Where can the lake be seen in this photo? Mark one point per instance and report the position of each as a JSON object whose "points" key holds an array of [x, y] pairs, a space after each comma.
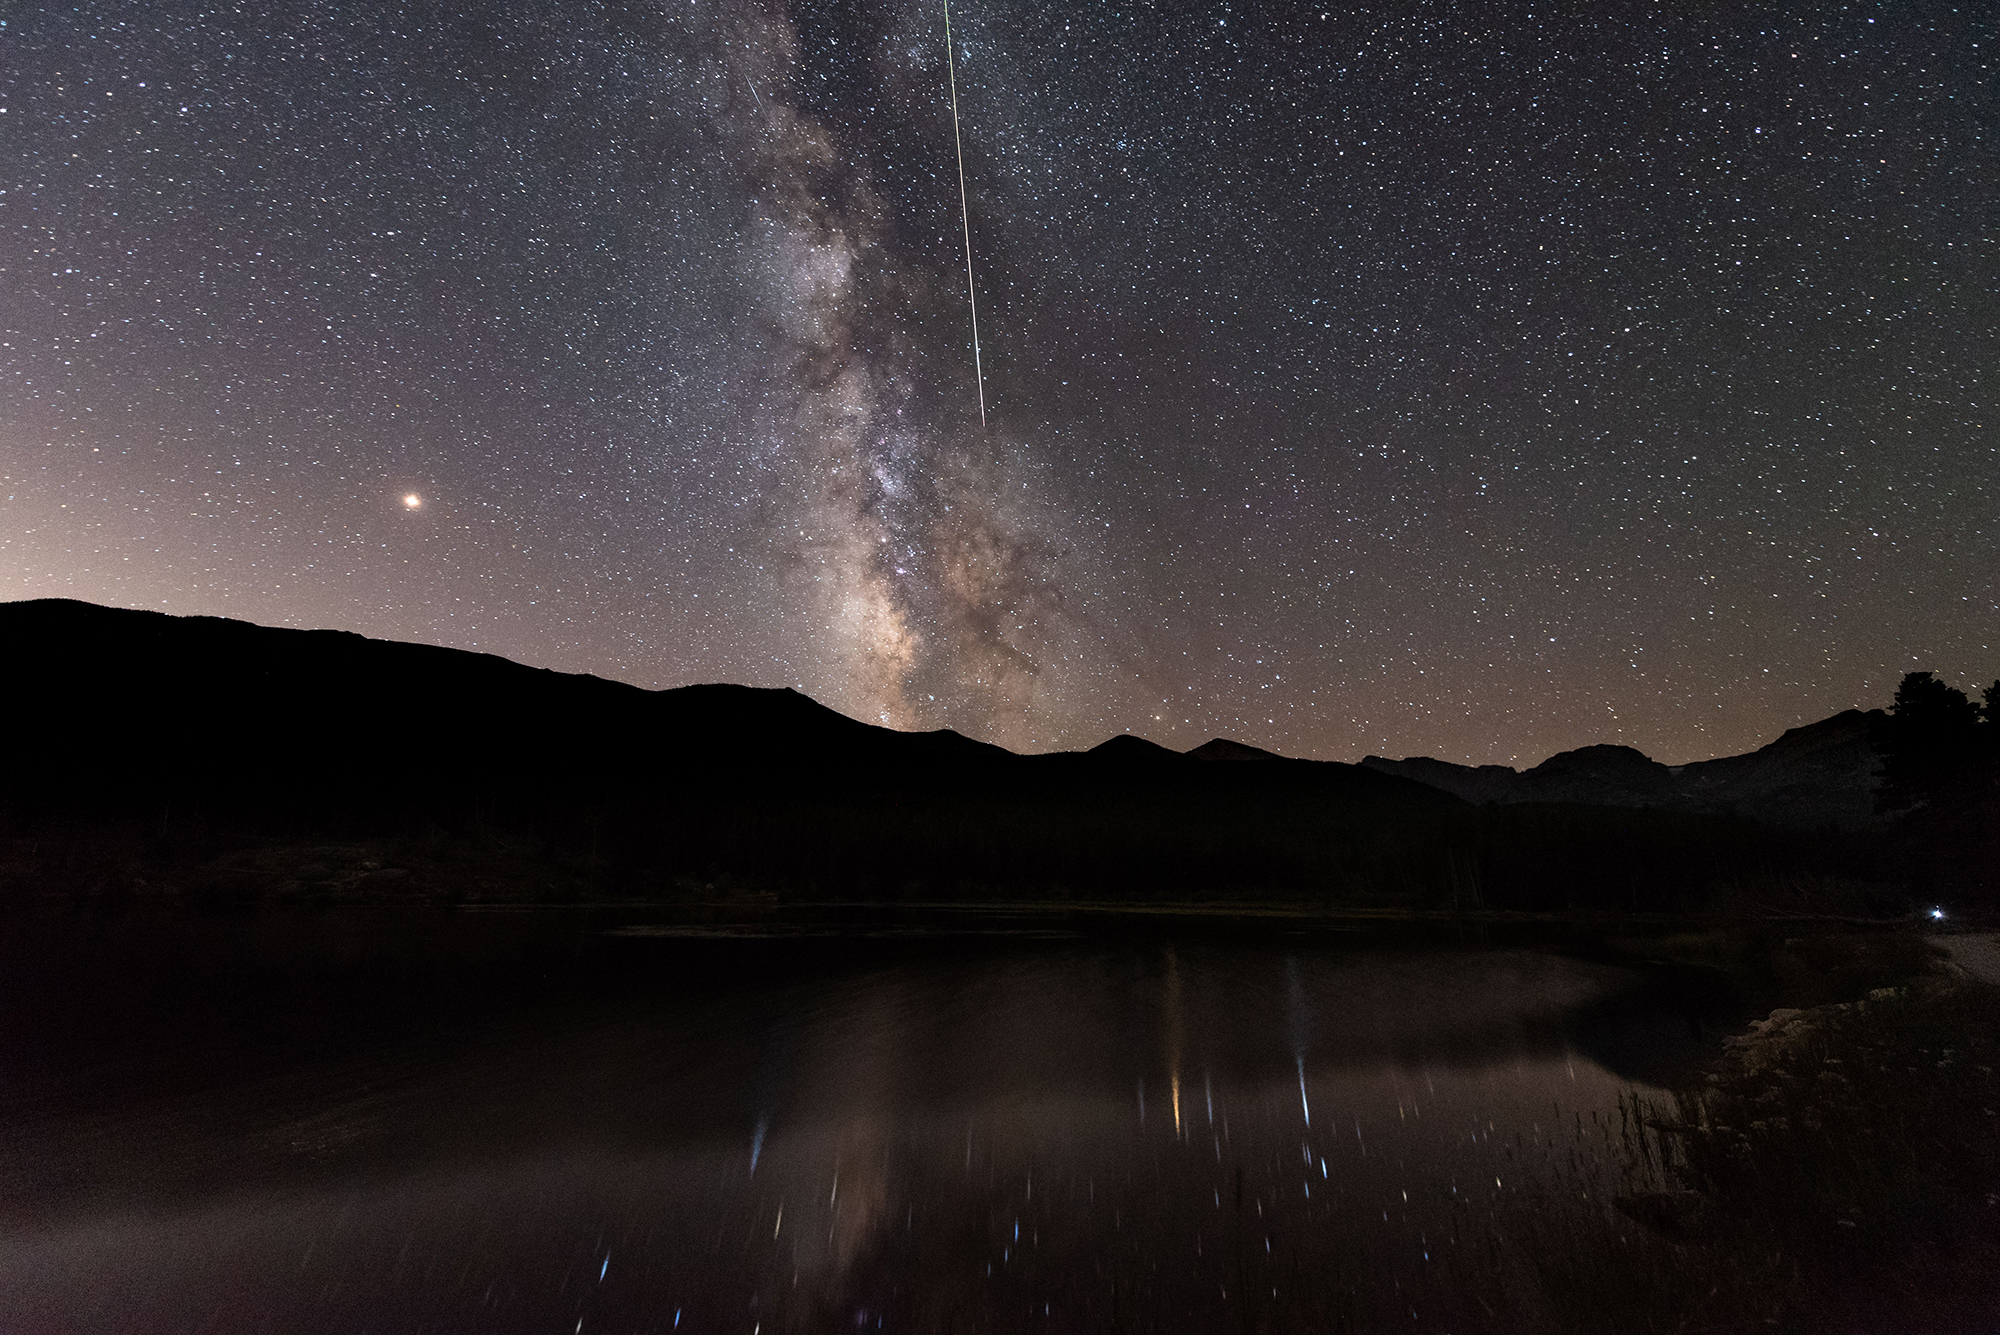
{"points": [[379, 1120]]}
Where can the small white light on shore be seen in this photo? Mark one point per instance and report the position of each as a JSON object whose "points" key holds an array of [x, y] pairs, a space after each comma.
{"points": [[1937, 915]]}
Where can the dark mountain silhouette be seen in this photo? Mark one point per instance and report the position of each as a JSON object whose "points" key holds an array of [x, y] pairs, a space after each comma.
{"points": [[203, 757], [141, 702], [1223, 749], [1822, 774], [1479, 784], [176, 723], [1616, 776], [1125, 749]]}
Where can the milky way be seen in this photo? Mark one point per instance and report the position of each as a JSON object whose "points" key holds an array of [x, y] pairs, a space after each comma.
{"points": [[1416, 378], [893, 516]]}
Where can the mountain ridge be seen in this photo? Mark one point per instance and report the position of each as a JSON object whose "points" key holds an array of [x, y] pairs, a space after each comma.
{"points": [[1818, 774], [431, 697], [224, 758]]}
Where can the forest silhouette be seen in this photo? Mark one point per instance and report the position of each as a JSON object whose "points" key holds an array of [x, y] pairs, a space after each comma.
{"points": [[1936, 744]]}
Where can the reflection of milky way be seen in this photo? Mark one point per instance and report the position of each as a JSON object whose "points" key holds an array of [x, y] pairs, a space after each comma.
{"points": [[939, 1136], [931, 600]]}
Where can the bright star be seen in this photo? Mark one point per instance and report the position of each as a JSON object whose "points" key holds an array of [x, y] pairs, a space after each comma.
{"points": [[413, 502]]}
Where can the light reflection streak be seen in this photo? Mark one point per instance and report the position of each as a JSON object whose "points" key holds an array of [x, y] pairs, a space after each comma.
{"points": [[1295, 998], [1174, 1034]]}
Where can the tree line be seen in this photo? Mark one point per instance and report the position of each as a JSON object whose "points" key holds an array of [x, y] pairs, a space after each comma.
{"points": [[1937, 744]]}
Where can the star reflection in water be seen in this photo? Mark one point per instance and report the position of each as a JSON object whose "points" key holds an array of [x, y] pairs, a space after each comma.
{"points": [[935, 1140]]}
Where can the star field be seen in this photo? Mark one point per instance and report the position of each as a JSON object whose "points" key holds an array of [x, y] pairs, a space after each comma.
{"points": [[1466, 380]]}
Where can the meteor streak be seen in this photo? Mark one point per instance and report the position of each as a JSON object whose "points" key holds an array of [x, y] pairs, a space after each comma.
{"points": [[964, 211]]}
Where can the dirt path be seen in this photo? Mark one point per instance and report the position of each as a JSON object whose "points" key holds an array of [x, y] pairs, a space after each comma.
{"points": [[1978, 954]]}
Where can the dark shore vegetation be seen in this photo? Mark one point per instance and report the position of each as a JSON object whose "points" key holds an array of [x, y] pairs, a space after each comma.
{"points": [[1837, 1172], [1151, 843]]}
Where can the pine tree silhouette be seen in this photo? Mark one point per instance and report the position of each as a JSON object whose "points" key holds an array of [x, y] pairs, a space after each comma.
{"points": [[1930, 742]]}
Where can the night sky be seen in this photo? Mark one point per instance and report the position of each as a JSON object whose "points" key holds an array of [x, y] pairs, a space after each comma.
{"points": [[1474, 380]]}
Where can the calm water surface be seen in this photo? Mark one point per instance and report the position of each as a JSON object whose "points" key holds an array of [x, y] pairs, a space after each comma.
{"points": [[561, 1122]]}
